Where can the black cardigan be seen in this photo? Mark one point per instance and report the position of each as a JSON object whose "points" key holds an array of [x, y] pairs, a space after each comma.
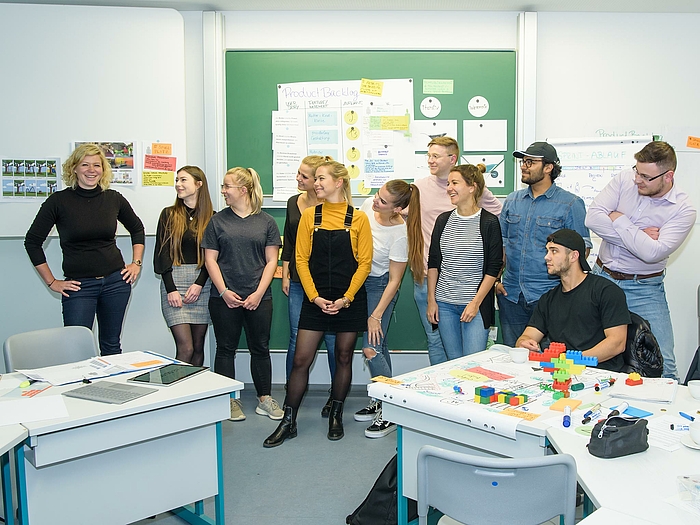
{"points": [[493, 255]]}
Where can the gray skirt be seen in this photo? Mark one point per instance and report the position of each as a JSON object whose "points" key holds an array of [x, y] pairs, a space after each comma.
{"points": [[195, 313]]}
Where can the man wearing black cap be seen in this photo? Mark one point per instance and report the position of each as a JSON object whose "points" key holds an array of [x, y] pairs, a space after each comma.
{"points": [[528, 217], [585, 312]]}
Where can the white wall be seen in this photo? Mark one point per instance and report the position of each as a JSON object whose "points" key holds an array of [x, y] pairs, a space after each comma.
{"points": [[620, 73]]}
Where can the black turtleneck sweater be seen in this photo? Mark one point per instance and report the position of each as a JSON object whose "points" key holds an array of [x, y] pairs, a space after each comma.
{"points": [[86, 221]]}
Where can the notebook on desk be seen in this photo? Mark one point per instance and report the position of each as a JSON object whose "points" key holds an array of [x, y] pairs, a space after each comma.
{"points": [[109, 392]]}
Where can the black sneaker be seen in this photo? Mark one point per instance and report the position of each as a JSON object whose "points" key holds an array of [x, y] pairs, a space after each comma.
{"points": [[368, 413], [379, 427]]}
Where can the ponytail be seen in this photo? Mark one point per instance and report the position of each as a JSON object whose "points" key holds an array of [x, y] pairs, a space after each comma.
{"points": [[249, 178], [408, 195]]}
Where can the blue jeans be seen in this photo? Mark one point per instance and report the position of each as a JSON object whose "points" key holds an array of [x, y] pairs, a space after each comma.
{"points": [[296, 298], [380, 364], [647, 298], [436, 352], [105, 297], [514, 317], [460, 338]]}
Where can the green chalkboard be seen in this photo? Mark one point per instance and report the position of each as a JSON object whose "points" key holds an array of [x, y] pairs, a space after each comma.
{"points": [[252, 78]]}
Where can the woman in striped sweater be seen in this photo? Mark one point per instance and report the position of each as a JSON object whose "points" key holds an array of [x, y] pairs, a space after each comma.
{"points": [[465, 258]]}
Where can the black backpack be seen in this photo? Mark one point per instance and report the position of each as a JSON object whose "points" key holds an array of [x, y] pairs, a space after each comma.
{"points": [[380, 505]]}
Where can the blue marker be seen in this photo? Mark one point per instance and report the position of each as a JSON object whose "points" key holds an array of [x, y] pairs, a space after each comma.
{"points": [[591, 417], [687, 416], [593, 409], [566, 420]]}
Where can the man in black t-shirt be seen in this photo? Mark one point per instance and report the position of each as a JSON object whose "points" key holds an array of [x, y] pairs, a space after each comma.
{"points": [[585, 312]]}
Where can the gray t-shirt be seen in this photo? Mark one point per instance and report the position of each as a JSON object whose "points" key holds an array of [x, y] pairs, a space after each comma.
{"points": [[241, 244]]}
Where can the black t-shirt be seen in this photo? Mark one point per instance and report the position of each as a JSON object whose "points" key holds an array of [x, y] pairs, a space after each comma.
{"points": [[579, 317]]}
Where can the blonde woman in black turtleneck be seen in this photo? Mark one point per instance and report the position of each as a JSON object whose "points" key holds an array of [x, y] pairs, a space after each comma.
{"points": [[97, 282]]}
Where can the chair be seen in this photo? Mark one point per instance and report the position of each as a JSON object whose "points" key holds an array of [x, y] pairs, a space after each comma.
{"points": [[642, 353], [53, 346], [489, 490]]}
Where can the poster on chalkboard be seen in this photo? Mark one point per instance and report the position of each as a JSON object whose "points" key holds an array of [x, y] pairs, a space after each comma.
{"points": [[365, 124]]}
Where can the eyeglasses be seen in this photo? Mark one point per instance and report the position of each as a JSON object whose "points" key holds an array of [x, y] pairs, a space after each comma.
{"points": [[646, 178], [229, 187], [433, 156], [528, 162]]}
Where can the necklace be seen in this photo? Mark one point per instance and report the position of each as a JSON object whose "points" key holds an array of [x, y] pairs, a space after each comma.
{"points": [[190, 213]]}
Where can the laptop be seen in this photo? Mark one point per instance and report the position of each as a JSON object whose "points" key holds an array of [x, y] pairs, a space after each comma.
{"points": [[109, 392]]}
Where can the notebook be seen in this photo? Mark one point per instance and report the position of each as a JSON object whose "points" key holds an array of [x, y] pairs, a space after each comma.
{"points": [[109, 392]]}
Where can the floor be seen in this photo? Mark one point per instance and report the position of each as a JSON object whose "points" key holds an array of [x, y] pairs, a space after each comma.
{"points": [[308, 480]]}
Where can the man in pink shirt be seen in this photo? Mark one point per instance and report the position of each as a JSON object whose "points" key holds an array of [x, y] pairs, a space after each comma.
{"points": [[643, 217], [443, 153]]}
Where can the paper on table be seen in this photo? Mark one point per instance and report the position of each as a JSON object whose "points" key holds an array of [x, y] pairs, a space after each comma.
{"points": [[33, 409], [661, 435], [655, 389], [97, 368]]}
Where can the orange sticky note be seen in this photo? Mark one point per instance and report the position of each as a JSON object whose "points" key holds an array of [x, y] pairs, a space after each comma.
{"points": [[387, 380], [160, 148], [564, 402], [693, 142], [148, 363]]}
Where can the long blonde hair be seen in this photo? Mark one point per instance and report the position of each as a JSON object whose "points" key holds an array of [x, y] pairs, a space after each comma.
{"points": [[405, 194], [249, 178], [339, 171], [177, 222]]}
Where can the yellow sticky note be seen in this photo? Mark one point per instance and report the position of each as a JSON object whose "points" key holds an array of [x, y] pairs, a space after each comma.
{"points": [[159, 148], [158, 178], [394, 123], [467, 375], [371, 87], [693, 142], [387, 380]]}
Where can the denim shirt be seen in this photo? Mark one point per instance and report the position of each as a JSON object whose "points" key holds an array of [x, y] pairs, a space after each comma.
{"points": [[525, 224]]}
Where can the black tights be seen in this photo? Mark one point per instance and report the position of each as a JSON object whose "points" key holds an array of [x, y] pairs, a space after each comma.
{"points": [[189, 342], [307, 344]]}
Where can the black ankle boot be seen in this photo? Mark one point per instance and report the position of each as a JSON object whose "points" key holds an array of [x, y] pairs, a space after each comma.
{"points": [[335, 421], [327, 407], [287, 429]]}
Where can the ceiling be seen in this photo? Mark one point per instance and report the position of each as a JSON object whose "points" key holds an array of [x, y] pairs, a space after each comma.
{"points": [[621, 6]]}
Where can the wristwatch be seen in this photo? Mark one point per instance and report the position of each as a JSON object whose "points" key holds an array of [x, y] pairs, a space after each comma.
{"points": [[137, 262]]}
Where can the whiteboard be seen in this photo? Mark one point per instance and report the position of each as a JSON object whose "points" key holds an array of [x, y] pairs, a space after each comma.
{"points": [[587, 165], [91, 74]]}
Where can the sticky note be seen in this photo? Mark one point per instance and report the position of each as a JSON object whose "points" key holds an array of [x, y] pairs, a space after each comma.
{"points": [[159, 162], [565, 402], [433, 86], [693, 142], [387, 380], [159, 148], [158, 178], [371, 87]]}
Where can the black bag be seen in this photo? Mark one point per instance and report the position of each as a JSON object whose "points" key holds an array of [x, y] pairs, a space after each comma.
{"points": [[381, 504], [619, 436]]}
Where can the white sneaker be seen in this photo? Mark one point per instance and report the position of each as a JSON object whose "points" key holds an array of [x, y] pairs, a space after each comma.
{"points": [[368, 413], [269, 408], [379, 427], [236, 410]]}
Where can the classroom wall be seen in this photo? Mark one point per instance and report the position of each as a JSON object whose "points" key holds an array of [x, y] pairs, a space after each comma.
{"points": [[610, 74]]}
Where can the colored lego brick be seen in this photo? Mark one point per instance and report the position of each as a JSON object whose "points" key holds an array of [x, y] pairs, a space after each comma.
{"points": [[487, 391], [477, 399], [514, 401], [485, 400], [494, 398], [501, 397], [634, 379], [558, 395]]}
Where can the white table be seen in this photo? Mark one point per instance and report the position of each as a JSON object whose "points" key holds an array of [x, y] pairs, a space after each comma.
{"points": [[10, 437], [635, 485], [605, 516], [123, 463], [442, 427]]}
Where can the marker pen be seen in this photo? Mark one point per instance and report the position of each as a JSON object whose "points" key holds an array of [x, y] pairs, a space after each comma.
{"points": [[604, 384], [594, 408], [619, 409], [566, 420], [679, 427], [687, 416], [591, 417]]}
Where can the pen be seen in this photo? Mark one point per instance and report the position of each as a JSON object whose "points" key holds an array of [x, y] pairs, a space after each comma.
{"points": [[25, 384], [566, 420], [619, 409], [591, 417], [604, 384], [594, 408], [687, 416], [679, 427]]}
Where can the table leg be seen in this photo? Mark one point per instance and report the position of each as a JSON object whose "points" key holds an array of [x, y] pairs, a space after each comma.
{"points": [[7, 507], [402, 512], [23, 510]]}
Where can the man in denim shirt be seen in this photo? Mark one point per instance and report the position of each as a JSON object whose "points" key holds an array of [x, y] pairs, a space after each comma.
{"points": [[529, 216]]}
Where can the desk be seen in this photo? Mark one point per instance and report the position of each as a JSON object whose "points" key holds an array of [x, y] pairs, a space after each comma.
{"points": [[10, 437], [635, 485], [123, 463], [606, 516], [444, 425]]}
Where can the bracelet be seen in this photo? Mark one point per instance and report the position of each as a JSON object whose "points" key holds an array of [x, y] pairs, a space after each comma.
{"points": [[372, 316], [49, 285], [222, 293], [346, 302]]}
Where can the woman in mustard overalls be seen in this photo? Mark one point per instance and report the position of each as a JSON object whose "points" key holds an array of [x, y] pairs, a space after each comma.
{"points": [[333, 258]]}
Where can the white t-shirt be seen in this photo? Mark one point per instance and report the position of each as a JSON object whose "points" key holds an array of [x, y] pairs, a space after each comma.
{"points": [[389, 243]]}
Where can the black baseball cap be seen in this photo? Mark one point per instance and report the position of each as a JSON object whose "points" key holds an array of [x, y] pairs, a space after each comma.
{"points": [[539, 150], [573, 241]]}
